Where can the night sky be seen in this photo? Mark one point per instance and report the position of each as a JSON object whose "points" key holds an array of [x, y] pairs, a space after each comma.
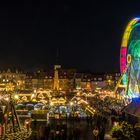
{"points": [[86, 33]]}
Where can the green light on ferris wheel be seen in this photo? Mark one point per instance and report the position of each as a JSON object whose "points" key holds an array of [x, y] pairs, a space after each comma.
{"points": [[124, 79], [134, 49]]}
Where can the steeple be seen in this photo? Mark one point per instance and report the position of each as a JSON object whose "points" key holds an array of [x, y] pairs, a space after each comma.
{"points": [[57, 66], [57, 56]]}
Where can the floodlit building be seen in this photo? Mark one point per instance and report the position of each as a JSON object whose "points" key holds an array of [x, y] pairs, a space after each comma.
{"points": [[14, 77], [56, 79]]}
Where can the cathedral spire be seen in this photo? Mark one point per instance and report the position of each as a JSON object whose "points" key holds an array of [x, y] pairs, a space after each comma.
{"points": [[57, 56]]}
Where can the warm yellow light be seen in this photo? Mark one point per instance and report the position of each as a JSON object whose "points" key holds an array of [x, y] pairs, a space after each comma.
{"points": [[78, 93], [71, 103], [51, 103], [16, 97], [109, 81], [32, 96], [7, 99]]}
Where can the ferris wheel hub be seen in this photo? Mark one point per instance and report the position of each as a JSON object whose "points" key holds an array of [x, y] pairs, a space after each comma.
{"points": [[129, 58]]}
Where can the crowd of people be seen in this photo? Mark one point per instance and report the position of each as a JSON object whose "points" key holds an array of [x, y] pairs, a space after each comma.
{"points": [[72, 130], [56, 131]]}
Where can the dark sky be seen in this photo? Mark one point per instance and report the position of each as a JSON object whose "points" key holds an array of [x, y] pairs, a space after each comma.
{"points": [[87, 33]]}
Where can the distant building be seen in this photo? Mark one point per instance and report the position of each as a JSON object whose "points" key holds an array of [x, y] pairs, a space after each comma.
{"points": [[16, 78], [57, 79]]}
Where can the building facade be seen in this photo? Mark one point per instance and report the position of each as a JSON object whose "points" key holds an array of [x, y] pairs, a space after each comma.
{"points": [[66, 79]]}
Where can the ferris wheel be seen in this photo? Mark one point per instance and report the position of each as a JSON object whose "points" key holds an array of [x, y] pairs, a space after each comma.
{"points": [[130, 59]]}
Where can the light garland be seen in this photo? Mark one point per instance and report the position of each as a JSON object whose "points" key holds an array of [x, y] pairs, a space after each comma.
{"points": [[23, 134], [19, 134]]}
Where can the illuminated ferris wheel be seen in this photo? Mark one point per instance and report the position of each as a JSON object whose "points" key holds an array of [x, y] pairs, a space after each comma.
{"points": [[130, 58]]}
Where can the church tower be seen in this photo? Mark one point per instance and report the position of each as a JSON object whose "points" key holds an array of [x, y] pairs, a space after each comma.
{"points": [[56, 73], [56, 77]]}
